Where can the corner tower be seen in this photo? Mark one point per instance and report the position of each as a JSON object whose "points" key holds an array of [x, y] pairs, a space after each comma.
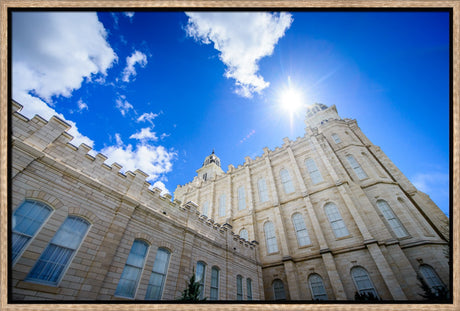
{"points": [[211, 167], [318, 113]]}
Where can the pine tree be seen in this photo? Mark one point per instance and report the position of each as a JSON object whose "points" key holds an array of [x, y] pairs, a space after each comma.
{"points": [[438, 294], [193, 290]]}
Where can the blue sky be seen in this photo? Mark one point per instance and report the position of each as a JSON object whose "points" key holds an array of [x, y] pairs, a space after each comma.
{"points": [[159, 90]]}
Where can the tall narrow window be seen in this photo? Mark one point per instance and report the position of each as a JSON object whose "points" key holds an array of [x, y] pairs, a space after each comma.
{"points": [[158, 276], [133, 268], [239, 287], [272, 245], [286, 181], [244, 234], [337, 223], [27, 220], [278, 290], [52, 263], [222, 205], [362, 281], [214, 283], [315, 174], [241, 199], [356, 167], [200, 276], [336, 138], [206, 208], [300, 230], [318, 292], [263, 195], [431, 278], [393, 221], [249, 288]]}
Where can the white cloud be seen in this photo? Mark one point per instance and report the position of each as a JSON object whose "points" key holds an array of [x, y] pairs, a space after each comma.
{"points": [[130, 15], [161, 186], [431, 182], [144, 135], [118, 139], [149, 117], [53, 52], [242, 38], [82, 106], [123, 105], [136, 58], [153, 160]]}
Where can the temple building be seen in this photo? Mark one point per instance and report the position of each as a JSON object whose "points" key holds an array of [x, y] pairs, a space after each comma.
{"points": [[327, 216]]}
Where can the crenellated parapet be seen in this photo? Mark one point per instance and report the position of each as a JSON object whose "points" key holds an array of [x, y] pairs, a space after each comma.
{"points": [[49, 142]]}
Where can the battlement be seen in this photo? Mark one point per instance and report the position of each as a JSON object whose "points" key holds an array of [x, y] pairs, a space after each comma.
{"points": [[51, 140]]}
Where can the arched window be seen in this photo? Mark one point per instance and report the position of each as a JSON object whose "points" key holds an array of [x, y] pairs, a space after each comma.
{"points": [[132, 271], [286, 181], [391, 218], [337, 223], [315, 174], [244, 234], [300, 230], [249, 288], [239, 287], [222, 205], [356, 167], [278, 290], [27, 220], [272, 245], [336, 138], [431, 278], [263, 195], [158, 276], [214, 283], [318, 292], [200, 276], [241, 199], [362, 281], [206, 208], [52, 263]]}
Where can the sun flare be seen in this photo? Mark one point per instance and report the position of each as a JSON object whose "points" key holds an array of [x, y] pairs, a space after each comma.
{"points": [[291, 99]]}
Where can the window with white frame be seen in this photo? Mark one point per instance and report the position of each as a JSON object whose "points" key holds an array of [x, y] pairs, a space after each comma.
{"points": [[27, 220], [431, 278], [363, 282], [222, 205], [270, 236], [278, 290], [356, 167], [286, 181], [263, 195], [300, 230], [336, 138], [158, 276], [391, 218], [206, 208], [200, 276], [54, 260], [244, 234], [132, 271], [241, 198], [318, 291], [239, 287], [336, 221], [214, 283], [315, 174], [249, 288]]}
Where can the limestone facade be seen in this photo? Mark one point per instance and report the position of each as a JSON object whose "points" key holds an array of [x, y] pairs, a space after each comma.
{"points": [[332, 214], [116, 212]]}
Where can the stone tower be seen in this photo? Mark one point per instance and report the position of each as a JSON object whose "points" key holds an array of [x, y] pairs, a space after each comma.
{"points": [[332, 213]]}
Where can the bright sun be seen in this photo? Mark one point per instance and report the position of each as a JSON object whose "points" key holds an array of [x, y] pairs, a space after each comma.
{"points": [[291, 99]]}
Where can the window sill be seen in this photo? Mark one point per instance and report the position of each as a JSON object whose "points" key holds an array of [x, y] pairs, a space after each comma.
{"points": [[39, 287], [343, 237]]}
